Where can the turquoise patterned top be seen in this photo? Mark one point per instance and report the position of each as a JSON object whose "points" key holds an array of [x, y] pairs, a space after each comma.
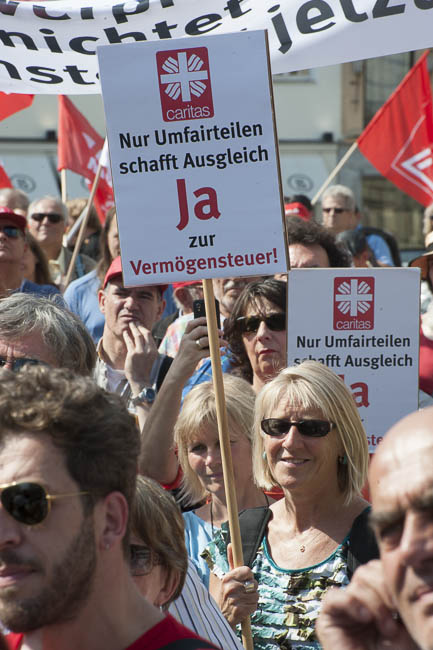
{"points": [[289, 600]]}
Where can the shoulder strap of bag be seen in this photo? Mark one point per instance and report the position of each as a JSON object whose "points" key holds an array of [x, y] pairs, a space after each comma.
{"points": [[362, 543], [252, 523]]}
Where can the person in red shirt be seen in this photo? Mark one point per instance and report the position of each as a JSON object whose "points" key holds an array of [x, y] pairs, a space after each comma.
{"points": [[68, 459]]}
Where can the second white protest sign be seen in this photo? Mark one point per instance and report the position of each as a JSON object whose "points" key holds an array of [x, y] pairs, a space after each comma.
{"points": [[364, 325]]}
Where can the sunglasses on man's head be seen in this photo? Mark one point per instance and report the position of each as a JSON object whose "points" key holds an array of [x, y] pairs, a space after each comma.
{"points": [[29, 503], [53, 217], [275, 322], [277, 427], [10, 231], [19, 363]]}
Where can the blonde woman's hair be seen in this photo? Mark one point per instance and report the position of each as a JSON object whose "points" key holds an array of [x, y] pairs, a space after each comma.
{"points": [[198, 412], [313, 386]]}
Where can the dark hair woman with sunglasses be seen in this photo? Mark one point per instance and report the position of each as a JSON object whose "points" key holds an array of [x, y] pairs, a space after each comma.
{"points": [[256, 332], [310, 442]]}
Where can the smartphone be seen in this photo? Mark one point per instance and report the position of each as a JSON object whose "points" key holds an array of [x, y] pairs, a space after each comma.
{"points": [[200, 310]]}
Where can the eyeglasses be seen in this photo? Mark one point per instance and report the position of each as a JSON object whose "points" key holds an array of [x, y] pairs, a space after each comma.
{"points": [[10, 231], [29, 503], [142, 560], [275, 322], [52, 217], [336, 210], [19, 363], [277, 427]]}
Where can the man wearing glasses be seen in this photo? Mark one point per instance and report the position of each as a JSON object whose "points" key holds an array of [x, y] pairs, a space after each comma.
{"points": [[68, 459], [47, 223], [13, 245], [340, 214]]}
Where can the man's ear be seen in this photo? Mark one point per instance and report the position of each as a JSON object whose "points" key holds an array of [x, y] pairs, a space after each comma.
{"points": [[161, 307], [101, 300], [170, 583], [112, 520], [184, 297]]}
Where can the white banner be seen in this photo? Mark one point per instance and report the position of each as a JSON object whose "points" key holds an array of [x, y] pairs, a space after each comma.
{"points": [[50, 47], [364, 325], [193, 158]]}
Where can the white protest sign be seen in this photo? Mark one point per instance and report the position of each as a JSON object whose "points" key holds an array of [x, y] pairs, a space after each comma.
{"points": [[193, 158], [50, 47], [364, 325]]}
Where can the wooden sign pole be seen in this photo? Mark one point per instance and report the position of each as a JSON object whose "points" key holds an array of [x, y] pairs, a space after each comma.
{"points": [[226, 456]]}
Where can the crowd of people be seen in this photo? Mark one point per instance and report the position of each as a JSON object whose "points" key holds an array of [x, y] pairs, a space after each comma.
{"points": [[114, 507]]}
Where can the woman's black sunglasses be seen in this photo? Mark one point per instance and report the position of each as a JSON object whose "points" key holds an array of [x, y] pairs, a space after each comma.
{"points": [[277, 427], [29, 503], [275, 322]]}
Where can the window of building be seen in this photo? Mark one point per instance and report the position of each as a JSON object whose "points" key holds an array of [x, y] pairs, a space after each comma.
{"points": [[295, 76], [386, 207], [382, 76]]}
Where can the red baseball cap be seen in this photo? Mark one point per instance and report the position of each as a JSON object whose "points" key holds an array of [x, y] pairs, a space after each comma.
{"points": [[115, 271], [17, 219], [187, 283], [297, 210]]}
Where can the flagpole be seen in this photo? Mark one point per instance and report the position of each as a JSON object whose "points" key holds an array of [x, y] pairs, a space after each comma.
{"points": [[80, 237], [63, 185], [334, 173]]}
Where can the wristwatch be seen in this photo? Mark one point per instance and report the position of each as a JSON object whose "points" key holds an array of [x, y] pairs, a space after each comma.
{"points": [[146, 395]]}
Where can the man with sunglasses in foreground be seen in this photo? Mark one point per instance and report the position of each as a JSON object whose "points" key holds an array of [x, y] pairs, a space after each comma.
{"points": [[68, 459], [47, 218], [13, 246], [389, 603]]}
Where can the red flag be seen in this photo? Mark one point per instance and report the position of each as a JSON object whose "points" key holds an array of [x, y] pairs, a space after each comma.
{"points": [[399, 139], [4, 178], [11, 103], [79, 149]]}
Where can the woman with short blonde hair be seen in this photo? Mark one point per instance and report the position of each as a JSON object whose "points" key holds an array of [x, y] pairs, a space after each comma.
{"points": [[310, 442], [196, 436]]}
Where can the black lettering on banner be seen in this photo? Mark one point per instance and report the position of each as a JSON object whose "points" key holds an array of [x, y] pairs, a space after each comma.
{"points": [[381, 9], [234, 7], [12, 70], [39, 69], [41, 12], [9, 8], [424, 4], [76, 44], [86, 13], [192, 242], [5, 38], [114, 37], [281, 30], [196, 26], [350, 12], [121, 16], [51, 41], [76, 75], [305, 22], [163, 30]]}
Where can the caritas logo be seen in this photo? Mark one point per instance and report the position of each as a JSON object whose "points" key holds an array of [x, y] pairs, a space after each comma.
{"points": [[353, 303], [184, 84]]}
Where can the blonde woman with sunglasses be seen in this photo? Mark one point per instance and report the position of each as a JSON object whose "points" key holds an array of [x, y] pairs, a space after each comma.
{"points": [[309, 441]]}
